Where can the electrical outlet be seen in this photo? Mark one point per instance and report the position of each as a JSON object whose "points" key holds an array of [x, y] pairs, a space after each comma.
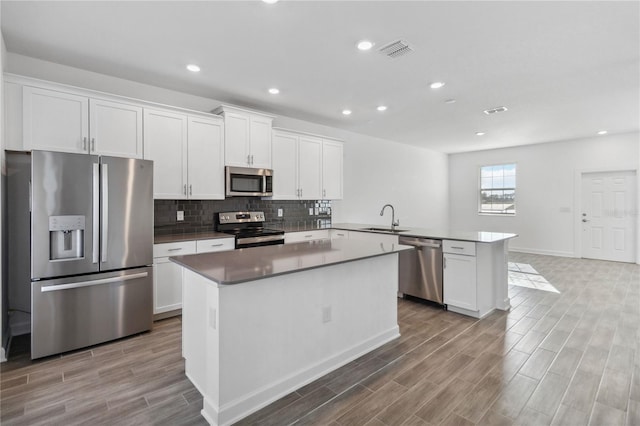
{"points": [[280, 212], [326, 314], [310, 211], [180, 216]]}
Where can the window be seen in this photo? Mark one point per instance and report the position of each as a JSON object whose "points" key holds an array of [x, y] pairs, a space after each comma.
{"points": [[498, 189]]}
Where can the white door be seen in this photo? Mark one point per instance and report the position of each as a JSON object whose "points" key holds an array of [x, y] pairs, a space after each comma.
{"points": [[260, 142], [55, 121], [310, 167], [115, 128], [608, 216], [205, 159], [332, 170], [236, 139], [165, 142]]}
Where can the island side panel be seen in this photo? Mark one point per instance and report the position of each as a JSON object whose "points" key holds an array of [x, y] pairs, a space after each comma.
{"points": [[277, 334]]}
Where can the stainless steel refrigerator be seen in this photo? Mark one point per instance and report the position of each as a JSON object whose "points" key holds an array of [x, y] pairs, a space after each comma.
{"points": [[80, 235]]}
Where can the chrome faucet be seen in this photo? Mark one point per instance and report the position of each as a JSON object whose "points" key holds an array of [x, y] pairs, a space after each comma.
{"points": [[394, 222]]}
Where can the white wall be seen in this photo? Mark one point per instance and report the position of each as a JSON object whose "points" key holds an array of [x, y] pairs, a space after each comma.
{"points": [[3, 319], [376, 171], [546, 174]]}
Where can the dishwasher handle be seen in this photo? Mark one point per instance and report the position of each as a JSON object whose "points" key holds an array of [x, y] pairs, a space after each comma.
{"points": [[420, 244]]}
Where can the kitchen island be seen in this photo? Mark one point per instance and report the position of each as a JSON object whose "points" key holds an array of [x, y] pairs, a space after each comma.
{"points": [[259, 323]]}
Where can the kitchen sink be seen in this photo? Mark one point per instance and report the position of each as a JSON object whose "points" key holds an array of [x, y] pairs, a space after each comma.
{"points": [[384, 230]]}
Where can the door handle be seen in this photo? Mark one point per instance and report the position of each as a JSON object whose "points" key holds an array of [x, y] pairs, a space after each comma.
{"points": [[96, 212], [105, 211], [94, 282]]}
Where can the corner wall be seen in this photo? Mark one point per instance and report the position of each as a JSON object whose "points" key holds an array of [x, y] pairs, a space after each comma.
{"points": [[4, 321], [545, 189]]}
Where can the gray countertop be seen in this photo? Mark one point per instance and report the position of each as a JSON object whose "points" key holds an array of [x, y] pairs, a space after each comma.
{"points": [[439, 234], [237, 266]]}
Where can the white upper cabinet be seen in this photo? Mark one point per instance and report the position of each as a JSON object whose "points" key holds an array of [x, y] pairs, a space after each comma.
{"points": [[115, 129], [247, 136], [55, 121], [187, 152], [306, 166], [165, 142], [60, 121], [205, 158], [332, 170]]}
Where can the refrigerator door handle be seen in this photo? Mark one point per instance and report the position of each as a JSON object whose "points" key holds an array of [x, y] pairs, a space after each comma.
{"points": [[96, 212], [105, 212], [93, 282]]}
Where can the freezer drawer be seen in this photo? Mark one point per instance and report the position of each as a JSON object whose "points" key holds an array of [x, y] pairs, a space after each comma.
{"points": [[71, 313]]}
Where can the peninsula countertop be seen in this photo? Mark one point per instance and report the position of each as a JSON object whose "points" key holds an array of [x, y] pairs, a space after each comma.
{"points": [[237, 266], [439, 234]]}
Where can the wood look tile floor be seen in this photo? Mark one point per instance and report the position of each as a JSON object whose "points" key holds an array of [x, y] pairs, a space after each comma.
{"points": [[570, 357]]}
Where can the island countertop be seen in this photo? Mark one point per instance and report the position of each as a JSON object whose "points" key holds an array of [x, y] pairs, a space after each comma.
{"points": [[237, 266], [439, 234]]}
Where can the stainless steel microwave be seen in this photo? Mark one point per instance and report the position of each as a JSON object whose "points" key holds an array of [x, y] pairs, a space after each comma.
{"points": [[245, 181]]}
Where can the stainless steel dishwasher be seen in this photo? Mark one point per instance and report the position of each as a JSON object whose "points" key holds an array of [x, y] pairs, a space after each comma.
{"points": [[420, 270]]}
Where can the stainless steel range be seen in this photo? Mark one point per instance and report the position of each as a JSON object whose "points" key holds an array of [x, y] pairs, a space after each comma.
{"points": [[248, 228]]}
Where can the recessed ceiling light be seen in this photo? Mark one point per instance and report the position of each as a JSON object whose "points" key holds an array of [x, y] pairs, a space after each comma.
{"points": [[382, 108], [193, 68], [270, 1], [480, 133], [364, 45], [450, 101], [346, 111], [602, 132], [274, 91], [436, 84]]}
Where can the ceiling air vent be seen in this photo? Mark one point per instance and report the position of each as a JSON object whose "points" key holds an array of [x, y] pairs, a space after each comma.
{"points": [[396, 49], [494, 110]]}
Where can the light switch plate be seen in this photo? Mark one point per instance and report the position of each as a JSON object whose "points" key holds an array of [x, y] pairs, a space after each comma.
{"points": [[310, 211], [280, 213], [180, 215]]}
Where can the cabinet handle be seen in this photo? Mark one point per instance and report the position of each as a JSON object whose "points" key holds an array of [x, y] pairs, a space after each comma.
{"points": [[444, 263], [84, 143], [184, 190], [252, 160], [340, 235], [190, 189], [457, 248], [93, 144], [300, 192], [324, 192], [217, 245], [248, 159], [175, 249], [308, 236]]}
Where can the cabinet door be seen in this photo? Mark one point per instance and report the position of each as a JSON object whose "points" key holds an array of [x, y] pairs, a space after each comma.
{"points": [[310, 167], [205, 159], [332, 153], [260, 142], [167, 286], [165, 142], [459, 281], [115, 129], [55, 121], [285, 161], [236, 139]]}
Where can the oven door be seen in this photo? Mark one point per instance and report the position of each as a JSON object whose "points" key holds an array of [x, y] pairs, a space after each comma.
{"points": [[245, 181], [257, 241]]}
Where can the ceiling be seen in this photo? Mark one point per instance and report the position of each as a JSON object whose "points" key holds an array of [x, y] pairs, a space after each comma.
{"points": [[564, 70]]}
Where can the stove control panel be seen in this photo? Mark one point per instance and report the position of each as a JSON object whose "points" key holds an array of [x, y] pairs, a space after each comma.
{"points": [[240, 217]]}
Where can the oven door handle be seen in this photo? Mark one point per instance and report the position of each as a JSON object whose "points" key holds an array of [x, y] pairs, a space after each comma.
{"points": [[260, 239]]}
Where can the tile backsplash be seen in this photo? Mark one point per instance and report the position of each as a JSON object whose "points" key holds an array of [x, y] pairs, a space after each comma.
{"points": [[198, 214]]}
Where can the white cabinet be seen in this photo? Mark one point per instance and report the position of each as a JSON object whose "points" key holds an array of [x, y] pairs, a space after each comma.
{"points": [[187, 152], [305, 166], [373, 236], [332, 170], [68, 122], [247, 137], [459, 278], [297, 165], [297, 237], [167, 276]]}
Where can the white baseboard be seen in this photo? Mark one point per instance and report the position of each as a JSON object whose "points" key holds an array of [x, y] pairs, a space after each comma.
{"points": [[542, 252]]}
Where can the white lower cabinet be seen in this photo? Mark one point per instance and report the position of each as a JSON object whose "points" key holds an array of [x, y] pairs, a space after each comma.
{"points": [[468, 277], [167, 276], [373, 236], [298, 237]]}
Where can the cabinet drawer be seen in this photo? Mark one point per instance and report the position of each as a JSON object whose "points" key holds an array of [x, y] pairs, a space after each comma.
{"points": [[174, 249], [467, 248], [296, 237], [215, 244]]}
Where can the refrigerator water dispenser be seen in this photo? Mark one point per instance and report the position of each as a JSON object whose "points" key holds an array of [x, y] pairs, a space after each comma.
{"points": [[66, 237]]}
